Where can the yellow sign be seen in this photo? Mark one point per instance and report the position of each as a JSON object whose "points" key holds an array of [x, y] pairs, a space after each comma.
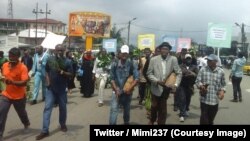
{"points": [[146, 41], [90, 24]]}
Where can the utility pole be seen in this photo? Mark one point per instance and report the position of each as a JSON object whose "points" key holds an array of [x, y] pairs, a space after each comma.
{"points": [[46, 13], [35, 11], [10, 9], [243, 36], [129, 22]]}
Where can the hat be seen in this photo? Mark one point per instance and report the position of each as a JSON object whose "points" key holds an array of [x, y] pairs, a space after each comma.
{"points": [[212, 57], [165, 44], [124, 49], [188, 55]]}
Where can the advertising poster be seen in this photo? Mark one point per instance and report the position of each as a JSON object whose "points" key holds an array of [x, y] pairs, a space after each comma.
{"points": [[93, 24]]}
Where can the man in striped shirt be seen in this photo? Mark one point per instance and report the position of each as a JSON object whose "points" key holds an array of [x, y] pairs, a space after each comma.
{"points": [[211, 83]]}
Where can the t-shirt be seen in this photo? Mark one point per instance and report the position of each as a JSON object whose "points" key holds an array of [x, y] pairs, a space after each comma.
{"points": [[17, 73]]}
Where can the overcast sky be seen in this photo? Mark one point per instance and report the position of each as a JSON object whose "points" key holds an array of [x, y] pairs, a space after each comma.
{"points": [[185, 18]]}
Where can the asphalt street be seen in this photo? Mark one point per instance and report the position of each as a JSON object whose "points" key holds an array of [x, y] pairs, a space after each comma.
{"points": [[83, 112]]}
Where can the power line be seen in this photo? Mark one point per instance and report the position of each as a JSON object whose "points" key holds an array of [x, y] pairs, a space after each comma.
{"points": [[166, 30]]}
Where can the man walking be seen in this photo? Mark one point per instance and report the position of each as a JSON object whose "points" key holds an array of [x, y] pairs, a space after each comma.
{"points": [[58, 71], [236, 76], [15, 76], [38, 69], [120, 72], [211, 83], [160, 67]]}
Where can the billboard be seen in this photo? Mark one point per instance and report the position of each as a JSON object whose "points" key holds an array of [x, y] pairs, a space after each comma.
{"points": [[146, 41], [93, 24]]}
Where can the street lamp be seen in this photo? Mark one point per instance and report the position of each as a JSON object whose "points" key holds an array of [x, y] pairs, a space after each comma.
{"points": [[129, 22], [243, 38]]}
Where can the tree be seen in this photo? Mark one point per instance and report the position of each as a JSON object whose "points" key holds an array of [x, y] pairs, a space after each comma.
{"points": [[116, 33]]}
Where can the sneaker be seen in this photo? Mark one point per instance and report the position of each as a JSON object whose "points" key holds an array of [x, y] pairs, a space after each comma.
{"points": [[41, 136], [186, 113], [240, 100], [64, 128], [33, 102], [181, 119]]}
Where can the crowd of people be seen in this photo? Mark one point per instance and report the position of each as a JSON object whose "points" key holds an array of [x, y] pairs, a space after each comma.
{"points": [[57, 70]]}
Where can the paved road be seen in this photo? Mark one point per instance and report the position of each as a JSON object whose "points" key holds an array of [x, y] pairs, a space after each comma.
{"points": [[83, 112]]}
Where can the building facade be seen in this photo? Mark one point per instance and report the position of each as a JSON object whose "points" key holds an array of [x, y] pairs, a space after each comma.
{"points": [[9, 26]]}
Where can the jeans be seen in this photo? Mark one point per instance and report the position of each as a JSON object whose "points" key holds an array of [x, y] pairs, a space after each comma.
{"points": [[50, 98], [38, 78], [184, 97], [236, 87], [19, 106], [124, 100]]}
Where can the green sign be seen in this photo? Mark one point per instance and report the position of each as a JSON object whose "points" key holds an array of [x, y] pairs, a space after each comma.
{"points": [[219, 35]]}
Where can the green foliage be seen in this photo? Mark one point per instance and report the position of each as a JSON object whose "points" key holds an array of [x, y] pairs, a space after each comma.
{"points": [[105, 60], [137, 52], [56, 64]]}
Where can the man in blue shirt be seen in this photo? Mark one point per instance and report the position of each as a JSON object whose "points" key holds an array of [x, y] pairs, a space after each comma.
{"points": [[38, 71], [120, 71], [58, 71], [236, 76]]}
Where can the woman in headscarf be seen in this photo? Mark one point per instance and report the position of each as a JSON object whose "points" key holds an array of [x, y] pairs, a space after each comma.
{"points": [[87, 80]]}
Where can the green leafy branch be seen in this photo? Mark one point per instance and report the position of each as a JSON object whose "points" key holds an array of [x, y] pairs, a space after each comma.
{"points": [[105, 60]]}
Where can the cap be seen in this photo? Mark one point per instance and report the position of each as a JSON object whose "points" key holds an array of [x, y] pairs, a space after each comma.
{"points": [[165, 44], [212, 57], [188, 55], [125, 49]]}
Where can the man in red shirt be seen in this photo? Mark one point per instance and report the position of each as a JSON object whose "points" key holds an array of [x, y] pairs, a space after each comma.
{"points": [[15, 75]]}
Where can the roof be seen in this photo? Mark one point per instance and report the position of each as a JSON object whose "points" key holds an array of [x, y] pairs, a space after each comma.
{"points": [[31, 33], [49, 21]]}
